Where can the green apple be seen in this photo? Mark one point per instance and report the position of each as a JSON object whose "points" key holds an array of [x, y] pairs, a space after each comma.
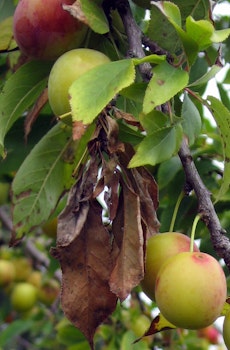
{"points": [[44, 30], [226, 330], [24, 296], [159, 248], [191, 290], [7, 272], [70, 66]]}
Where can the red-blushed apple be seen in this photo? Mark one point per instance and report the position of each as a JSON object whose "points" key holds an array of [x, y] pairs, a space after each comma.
{"points": [[159, 248], [23, 297], [210, 333], [226, 330], [191, 290], [44, 30], [70, 66]]}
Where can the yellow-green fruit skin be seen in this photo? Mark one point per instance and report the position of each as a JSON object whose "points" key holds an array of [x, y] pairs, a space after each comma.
{"points": [[226, 330], [68, 67], [7, 272], [191, 290], [159, 248], [24, 296]]}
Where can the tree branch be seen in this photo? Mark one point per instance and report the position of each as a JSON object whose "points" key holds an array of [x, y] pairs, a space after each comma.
{"points": [[134, 35], [206, 209]]}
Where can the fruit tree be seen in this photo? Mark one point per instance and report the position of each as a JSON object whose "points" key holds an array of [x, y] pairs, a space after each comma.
{"points": [[114, 174]]}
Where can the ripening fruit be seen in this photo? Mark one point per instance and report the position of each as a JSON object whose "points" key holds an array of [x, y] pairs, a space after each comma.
{"points": [[24, 296], [226, 330], [70, 66], [191, 290], [159, 248], [7, 272], [44, 30], [35, 278], [23, 268], [210, 333], [49, 291]]}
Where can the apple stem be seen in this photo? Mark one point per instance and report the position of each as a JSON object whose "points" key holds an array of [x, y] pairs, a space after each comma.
{"points": [[194, 225], [180, 197]]}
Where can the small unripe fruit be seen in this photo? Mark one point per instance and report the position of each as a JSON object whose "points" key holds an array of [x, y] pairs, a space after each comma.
{"points": [[70, 66], [159, 248], [24, 296], [191, 290], [7, 272], [23, 268], [48, 291]]}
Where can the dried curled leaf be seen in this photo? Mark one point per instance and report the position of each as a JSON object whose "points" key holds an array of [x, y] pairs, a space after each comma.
{"points": [[129, 268], [86, 264]]}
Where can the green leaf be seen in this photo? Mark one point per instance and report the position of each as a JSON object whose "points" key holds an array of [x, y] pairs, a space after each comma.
{"points": [[6, 34], [200, 31], [13, 330], [222, 117], [44, 175], [135, 92], [166, 82], [207, 76], [171, 12], [220, 35], [195, 8], [163, 32], [224, 94], [94, 16], [158, 146], [167, 171], [20, 91], [128, 338], [191, 119], [153, 121], [92, 91]]}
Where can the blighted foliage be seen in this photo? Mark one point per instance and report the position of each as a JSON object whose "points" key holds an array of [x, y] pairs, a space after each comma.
{"points": [[132, 113], [103, 262]]}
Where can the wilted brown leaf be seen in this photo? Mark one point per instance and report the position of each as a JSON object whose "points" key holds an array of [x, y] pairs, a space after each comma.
{"points": [[129, 268], [145, 186], [86, 265]]}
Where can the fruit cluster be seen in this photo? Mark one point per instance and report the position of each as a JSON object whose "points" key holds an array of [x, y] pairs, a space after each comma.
{"points": [[188, 286], [23, 286]]}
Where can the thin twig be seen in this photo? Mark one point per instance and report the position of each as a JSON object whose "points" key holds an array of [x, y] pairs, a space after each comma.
{"points": [[206, 208]]}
